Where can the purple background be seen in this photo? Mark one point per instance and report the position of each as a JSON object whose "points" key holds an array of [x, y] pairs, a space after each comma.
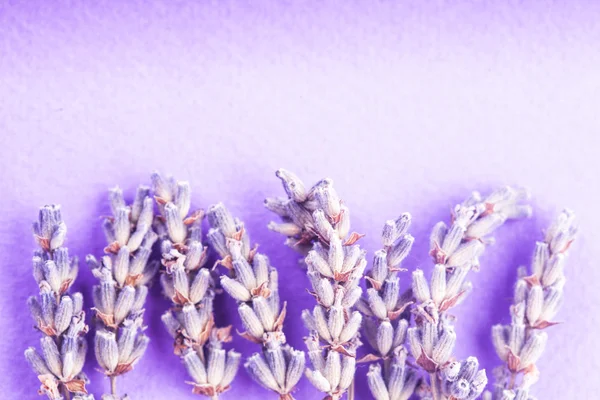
{"points": [[406, 106]]}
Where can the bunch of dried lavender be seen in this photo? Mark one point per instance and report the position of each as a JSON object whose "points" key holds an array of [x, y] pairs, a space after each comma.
{"points": [[57, 314], [123, 274], [254, 285], [386, 323], [191, 287], [316, 218], [537, 300], [456, 251]]}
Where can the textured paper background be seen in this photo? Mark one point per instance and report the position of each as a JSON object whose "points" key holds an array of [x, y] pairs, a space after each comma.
{"points": [[406, 106]]}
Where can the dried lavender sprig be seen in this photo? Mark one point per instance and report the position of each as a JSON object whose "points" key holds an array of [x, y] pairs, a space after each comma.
{"points": [[123, 274], [57, 314], [387, 320], [191, 287], [537, 299], [318, 224], [455, 250], [253, 283]]}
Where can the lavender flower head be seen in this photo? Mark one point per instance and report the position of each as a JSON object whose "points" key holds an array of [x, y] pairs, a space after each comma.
{"points": [[386, 309], [456, 250], [537, 299], [318, 224], [58, 315], [191, 287], [253, 283], [123, 275]]}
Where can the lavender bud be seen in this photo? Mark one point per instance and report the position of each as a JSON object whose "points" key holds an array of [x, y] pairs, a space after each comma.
{"points": [[107, 352], [535, 302], [295, 369], [336, 254], [343, 226], [126, 341], [376, 304], [276, 361], [293, 185], [420, 286], [219, 217], [124, 303], [321, 323], [540, 257], [141, 293], [264, 312], [533, 348], [195, 367], [183, 198], [380, 267], [63, 315], [399, 252], [453, 238], [192, 323], [391, 290], [389, 234], [244, 273], [216, 366], [333, 368], [443, 348], [251, 321], [260, 372], [199, 285], [175, 226], [554, 270], [400, 333], [318, 381], [37, 362], [376, 383], [385, 335], [235, 289], [460, 389], [466, 253], [231, 367], [335, 323]]}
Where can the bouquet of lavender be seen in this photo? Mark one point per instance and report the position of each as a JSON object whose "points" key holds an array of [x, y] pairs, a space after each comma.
{"points": [[411, 332]]}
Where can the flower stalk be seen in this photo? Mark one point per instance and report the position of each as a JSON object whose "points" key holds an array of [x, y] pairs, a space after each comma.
{"points": [[123, 275], [387, 315], [455, 250], [253, 283], [537, 299], [190, 285], [317, 224], [57, 313]]}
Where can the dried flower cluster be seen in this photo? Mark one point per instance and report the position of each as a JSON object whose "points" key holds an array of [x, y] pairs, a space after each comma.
{"points": [[455, 250], [335, 267], [537, 299], [191, 287], [123, 274], [58, 315], [253, 283], [387, 317]]}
